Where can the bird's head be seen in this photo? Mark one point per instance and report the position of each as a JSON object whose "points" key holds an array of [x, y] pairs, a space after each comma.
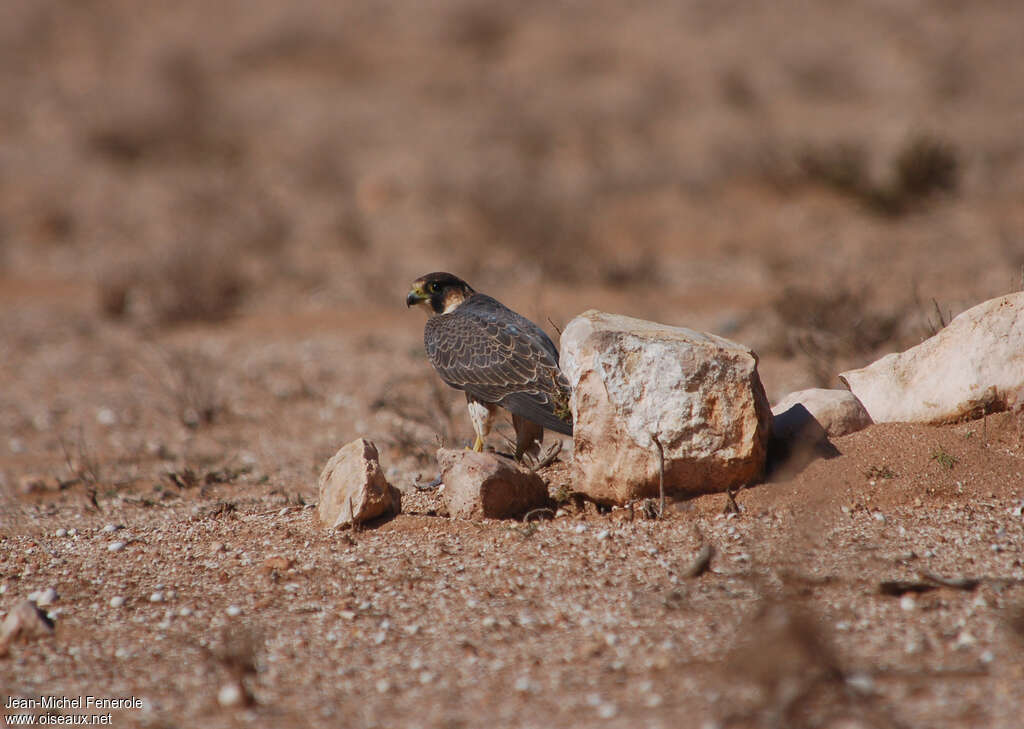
{"points": [[439, 293]]}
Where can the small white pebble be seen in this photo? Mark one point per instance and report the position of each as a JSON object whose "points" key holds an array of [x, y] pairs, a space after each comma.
{"points": [[879, 516], [106, 416], [185, 611], [411, 629], [62, 532], [156, 597], [234, 611], [383, 686], [987, 657], [603, 534], [580, 528], [426, 678], [908, 603], [380, 637], [522, 684], [230, 694], [964, 640], [654, 700], [111, 528], [861, 683], [593, 700], [115, 546], [116, 602], [489, 621], [607, 710], [283, 511], [43, 598]]}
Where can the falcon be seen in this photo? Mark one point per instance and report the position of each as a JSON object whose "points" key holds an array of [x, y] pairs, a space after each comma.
{"points": [[499, 358]]}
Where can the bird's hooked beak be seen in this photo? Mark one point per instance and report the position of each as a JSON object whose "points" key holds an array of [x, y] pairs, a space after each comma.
{"points": [[416, 296]]}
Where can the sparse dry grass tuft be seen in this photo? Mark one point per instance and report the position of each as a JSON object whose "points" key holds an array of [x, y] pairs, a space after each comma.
{"points": [[192, 386], [922, 167], [824, 326]]}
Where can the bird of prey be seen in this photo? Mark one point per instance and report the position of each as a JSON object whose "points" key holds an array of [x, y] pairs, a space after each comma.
{"points": [[496, 356]]}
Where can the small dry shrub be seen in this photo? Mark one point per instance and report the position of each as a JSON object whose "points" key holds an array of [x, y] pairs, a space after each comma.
{"points": [[922, 167], [824, 326], [188, 283], [191, 383]]}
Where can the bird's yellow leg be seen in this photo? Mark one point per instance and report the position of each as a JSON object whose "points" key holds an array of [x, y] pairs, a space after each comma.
{"points": [[478, 446]]}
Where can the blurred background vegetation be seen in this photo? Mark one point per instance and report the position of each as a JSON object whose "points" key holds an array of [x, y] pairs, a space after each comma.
{"points": [[803, 177]]}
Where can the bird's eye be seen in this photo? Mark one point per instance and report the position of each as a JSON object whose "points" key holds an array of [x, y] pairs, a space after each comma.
{"points": [[434, 287]]}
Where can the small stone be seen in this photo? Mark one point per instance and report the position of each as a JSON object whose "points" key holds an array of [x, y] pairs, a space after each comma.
{"points": [[111, 528], [106, 416], [156, 597], [838, 412], [72, 532], [115, 546], [862, 683], [117, 601], [62, 532], [231, 695], [522, 684], [964, 640], [185, 612], [603, 534], [383, 686], [489, 486], [234, 611], [353, 488], [987, 657], [908, 603], [44, 598], [580, 528], [607, 710], [24, 621]]}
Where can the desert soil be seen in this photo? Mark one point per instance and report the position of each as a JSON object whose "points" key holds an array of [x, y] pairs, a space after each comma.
{"points": [[209, 217]]}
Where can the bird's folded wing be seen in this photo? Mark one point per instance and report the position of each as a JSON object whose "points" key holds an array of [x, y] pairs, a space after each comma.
{"points": [[497, 361]]}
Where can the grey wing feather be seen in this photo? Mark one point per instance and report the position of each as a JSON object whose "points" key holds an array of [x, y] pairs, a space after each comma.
{"points": [[499, 356]]}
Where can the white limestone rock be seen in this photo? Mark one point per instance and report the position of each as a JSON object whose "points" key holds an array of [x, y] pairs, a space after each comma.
{"points": [[974, 365], [353, 488], [638, 383], [838, 411]]}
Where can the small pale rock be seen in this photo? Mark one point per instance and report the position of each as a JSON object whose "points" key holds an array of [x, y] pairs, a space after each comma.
{"points": [[353, 487], [44, 598], [838, 411], [232, 694], [633, 381], [24, 621], [156, 597], [62, 532], [234, 611], [797, 440], [117, 601], [485, 485], [974, 365], [115, 546]]}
